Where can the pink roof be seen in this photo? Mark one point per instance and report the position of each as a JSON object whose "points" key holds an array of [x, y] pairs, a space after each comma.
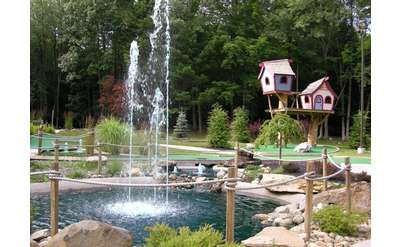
{"points": [[312, 87], [281, 66]]}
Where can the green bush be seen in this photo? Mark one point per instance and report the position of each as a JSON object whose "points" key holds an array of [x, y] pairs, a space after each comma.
{"points": [[87, 166], [218, 131], [181, 128], [239, 128], [46, 129], [355, 131], [76, 174], [111, 130], [252, 171], [334, 219], [162, 235], [278, 170], [68, 120], [280, 123], [114, 168]]}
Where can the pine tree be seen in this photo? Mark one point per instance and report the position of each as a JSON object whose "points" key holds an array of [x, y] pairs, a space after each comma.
{"points": [[239, 127], [218, 129], [355, 131], [181, 128]]}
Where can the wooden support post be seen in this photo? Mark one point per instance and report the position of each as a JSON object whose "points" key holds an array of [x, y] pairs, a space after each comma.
{"points": [[324, 168], [99, 160], [348, 184], [54, 195], [270, 106], [309, 203], [230, 206], [280, 147], [236, 162], [40, 138], [90, 142]]}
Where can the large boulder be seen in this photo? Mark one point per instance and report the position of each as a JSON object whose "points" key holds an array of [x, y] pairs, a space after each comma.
{"points": [[34, 244], [303, 147], [360, 197], [40, 234], [89, 233], [274, 236]]}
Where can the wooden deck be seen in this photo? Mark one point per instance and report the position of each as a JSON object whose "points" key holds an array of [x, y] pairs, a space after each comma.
{"points": [[299, 111]]}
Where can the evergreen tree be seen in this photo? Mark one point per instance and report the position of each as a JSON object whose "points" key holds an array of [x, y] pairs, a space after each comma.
{"points": [[355, 131], [181, 128], [239, 127], [218, 130]]}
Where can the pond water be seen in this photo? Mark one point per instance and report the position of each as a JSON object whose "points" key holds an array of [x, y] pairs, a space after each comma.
{"points": [[147, 207]]}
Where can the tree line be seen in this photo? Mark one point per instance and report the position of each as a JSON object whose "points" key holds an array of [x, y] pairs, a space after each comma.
{"points": [[80, 54]]}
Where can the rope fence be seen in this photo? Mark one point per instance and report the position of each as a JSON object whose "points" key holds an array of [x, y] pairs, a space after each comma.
{"points": [[231, 181]]}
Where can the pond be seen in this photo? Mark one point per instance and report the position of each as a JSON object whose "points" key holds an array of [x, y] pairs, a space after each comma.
{"points": [[147, 207]]}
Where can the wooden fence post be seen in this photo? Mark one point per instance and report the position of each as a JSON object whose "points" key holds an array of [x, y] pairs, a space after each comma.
{"points": [[99, 160], [54, 195], [40, 138], [90, 142], [236, 161], [309, 203], [230, 206], [324, 168], [348, 183]]}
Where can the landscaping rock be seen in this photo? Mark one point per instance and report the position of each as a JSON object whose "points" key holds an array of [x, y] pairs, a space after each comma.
{"points": [[274, 236], [366, 243], [200, 179], [89, 233], [298, 219], [221, 174], [135, 172], [282, 210], [361, 197], [274, 178], [260, 217], [34, 244], [40, 234], [173, 177], [303, 147]]}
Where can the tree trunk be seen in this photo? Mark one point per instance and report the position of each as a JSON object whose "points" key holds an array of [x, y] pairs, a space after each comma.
{"points": [[326, 128], [320, 131], [199, 117], [342, 105], [194, 122], [348, 111], [312, 131]]}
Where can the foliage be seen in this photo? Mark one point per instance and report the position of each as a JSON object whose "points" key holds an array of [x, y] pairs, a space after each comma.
{"points": [[254, 129], [181, 128], [334, 219], [355, 131], [45, 127], [252, 171], [68, 120], [111, 99], [86, 166], [76, 174], [162, 235], [278, 170], [112, 131], [218, 131], [114, 168], [239, 126], [280, 123]]}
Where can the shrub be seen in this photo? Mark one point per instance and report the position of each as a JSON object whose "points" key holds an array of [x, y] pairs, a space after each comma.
{"points": [[76, 174], [111, 130], [252, 171], [278, 170], [162, 235], [239, 127], [114, 168], [34, 129], [181, 127], [280, 123], [46, 129], [68, 120], [334, 219], [87, 166], [218, 131], [355, 131]]}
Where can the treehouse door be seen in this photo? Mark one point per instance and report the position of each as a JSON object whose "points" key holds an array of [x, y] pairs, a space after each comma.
{"points": [[318, 102]]}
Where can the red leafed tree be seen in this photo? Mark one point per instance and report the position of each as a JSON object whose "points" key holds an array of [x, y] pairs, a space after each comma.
{"points": [[112, 94]]}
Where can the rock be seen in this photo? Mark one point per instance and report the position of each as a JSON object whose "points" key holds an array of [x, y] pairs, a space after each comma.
{"points": [[173, 177], [135, 172], [216, 187], [303, 147], [34, 244], [298, 219], [44, 243], [266, 222], [221, 174], [366, 243], [260, 217], [274, 178], [299, 228], [200, 179], [364, 228], [40, 234], [360, 197], [266, 170], [320, 244], [274, 236], [88, 233], [312, 245], [286, 222], [282, 210]]}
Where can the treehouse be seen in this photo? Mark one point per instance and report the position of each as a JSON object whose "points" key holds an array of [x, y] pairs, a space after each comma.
{"points": [[318, 96], [277, 77]]}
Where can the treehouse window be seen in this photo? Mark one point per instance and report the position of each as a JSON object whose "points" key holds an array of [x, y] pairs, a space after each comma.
{"points": [[266, 81], [328, 100], [306, 99], [283, 80]]}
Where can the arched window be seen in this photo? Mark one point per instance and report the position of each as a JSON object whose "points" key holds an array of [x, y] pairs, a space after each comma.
{"points": [[328, 100], [266, 81], [283, 80], [306, 99]]}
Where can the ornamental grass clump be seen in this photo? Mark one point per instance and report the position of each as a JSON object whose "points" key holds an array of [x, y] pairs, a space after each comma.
{"points": [[111, 131], [162, 235], [333, 218], [218, 128]]}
